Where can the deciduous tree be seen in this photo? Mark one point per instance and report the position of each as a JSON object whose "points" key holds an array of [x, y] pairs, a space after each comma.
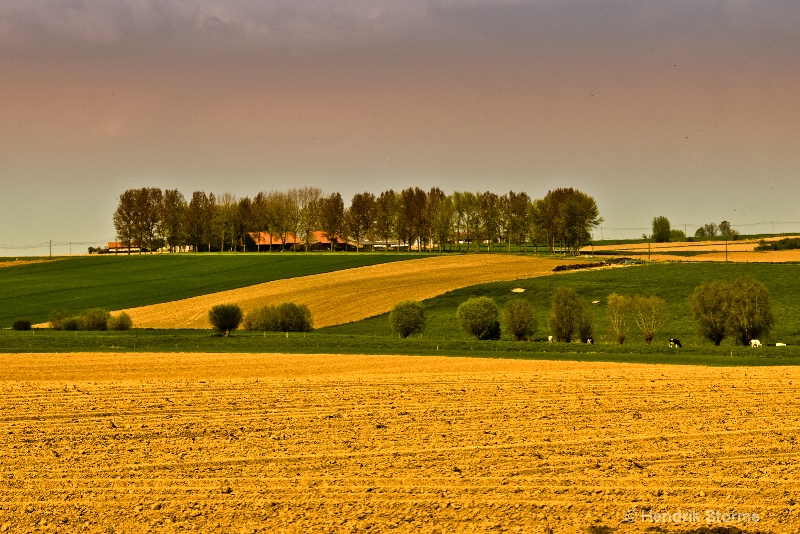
{"points": [[360, 217], [649, 314], [661, 229]]}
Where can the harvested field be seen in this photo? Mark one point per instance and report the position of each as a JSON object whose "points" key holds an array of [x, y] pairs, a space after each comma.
{"points": [[352, 294], [740, 245], [772, 256], [321, 443], [737, 251]]}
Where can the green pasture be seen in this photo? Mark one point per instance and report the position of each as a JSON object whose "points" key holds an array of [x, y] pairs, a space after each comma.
{"points": [[116, 282], [673, 282], [325, 342]]}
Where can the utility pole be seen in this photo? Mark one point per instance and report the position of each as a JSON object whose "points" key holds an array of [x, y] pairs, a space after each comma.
{"points": [[51, 249]]}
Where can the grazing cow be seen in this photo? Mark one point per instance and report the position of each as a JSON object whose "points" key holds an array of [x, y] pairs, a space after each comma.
{"points": [[675, 343], [780, 344], [549, 339], [755, 343]]}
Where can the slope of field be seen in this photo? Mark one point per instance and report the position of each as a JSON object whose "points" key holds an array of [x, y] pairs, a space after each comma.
{"points": [[33, 291], [322, 443], [345, 296], [672, 281]]}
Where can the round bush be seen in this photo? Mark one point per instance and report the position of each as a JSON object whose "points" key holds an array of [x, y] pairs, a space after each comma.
{"points": [[520, 318], [21, 324], [262, 319], [294, 318], [94, 319], [57, 319], [119, 322], [225, 318], [407, 317], [71, 324], [478, 317]]}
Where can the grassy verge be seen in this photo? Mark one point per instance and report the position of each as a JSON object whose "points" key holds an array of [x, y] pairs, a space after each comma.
{"points": [[116, 282], [320, 342]]}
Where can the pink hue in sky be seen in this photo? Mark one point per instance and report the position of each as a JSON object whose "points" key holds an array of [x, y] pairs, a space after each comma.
{"points": [[684, 109]]}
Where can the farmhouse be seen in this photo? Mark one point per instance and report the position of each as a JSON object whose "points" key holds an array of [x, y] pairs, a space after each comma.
{"points": [[266, 239], [118, 247]]}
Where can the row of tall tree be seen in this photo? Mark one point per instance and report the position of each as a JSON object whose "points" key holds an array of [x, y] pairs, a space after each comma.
{"points": [[150, 218]]}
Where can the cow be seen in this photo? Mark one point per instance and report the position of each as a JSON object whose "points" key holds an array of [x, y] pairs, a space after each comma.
{"points": [[780, 344], [549, 339], [755, 343], [590, 340], [675, 343]]}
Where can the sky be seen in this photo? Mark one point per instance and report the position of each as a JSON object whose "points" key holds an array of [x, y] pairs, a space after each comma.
{"points": [[682, 108]]}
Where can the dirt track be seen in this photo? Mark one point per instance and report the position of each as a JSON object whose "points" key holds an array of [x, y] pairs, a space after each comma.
{"points": [[320, 443], [353, 294]]}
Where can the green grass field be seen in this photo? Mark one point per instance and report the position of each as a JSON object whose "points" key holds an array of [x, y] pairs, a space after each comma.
{"points": [[673, 282], [116, 282]]}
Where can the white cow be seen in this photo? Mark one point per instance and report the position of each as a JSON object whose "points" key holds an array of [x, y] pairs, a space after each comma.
{"points": [[780, 344], [549, 339], [755, 343]]}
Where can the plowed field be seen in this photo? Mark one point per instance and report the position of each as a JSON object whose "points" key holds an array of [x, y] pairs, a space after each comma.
{"points": [[352, 294], [319, 443]]}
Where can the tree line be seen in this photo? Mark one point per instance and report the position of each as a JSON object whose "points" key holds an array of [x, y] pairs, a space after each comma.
{"points": [[151, 219]]}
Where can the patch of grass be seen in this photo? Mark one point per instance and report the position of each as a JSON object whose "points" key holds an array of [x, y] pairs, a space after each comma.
{"points": [[118, 282], [39, 341]]}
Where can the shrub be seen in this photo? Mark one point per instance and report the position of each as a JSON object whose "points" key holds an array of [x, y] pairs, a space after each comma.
{"points": [[94, 319], [520, 318], [407, 317], [570, 315], [263, 319], [709, 307], [739, 307], [294, 318], [57, 319], [585, 322], [749, 313], [225, 318], [21, 324], [649, 313], [617, 314], [478, 316], [492, 333], [119, 322], [71, 324]]}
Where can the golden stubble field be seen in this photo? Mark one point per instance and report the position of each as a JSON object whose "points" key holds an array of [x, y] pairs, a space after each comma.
{"points": [[320, 443], [353, 294], [742, 251]]}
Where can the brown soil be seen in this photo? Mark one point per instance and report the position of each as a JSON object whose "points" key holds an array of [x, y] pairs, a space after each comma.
{"points": [[321, 443], [353, 294]]}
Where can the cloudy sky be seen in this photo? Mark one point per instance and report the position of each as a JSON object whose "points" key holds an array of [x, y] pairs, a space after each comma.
{"points": [[679, 108]]}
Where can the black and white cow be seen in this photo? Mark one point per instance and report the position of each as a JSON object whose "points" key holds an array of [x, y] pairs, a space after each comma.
{"points": [[675, 343]]}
